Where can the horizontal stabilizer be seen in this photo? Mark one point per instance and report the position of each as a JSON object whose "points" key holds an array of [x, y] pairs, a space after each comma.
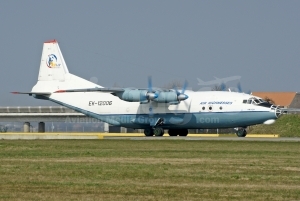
{"points": [[32, 93], [111, 90]]}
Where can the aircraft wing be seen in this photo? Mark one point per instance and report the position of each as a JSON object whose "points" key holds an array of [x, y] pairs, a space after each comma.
{"points": [[32, 93], [110, 90]]}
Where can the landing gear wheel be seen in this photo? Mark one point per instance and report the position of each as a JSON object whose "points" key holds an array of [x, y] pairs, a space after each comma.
{"points": [[148, 132], [172, 132], [183, 132], [180, 132], [241, 132], [159, 132]]}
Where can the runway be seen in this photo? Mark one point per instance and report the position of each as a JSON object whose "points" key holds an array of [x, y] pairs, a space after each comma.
{"points": [[285, 139], [140, 136]]}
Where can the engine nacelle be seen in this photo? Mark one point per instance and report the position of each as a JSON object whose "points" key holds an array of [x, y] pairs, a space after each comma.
{"points": [[166, 97], [132, 95], [143, 96]]}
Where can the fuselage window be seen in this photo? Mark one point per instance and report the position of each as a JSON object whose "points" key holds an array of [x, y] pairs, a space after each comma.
{"points": [[221, 108], [244, 101], [210, 108], [203, 108]]}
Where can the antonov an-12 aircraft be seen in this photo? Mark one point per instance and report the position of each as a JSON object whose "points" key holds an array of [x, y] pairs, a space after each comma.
{"points": [[151, 109]]}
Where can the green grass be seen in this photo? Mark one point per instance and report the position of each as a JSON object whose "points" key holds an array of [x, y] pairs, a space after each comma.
{"points": [[149, 170], [286, 126]]}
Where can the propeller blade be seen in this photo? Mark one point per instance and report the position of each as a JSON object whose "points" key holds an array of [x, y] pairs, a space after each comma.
{"points": [[150, 95], [176, 90], [150, 109], [150, 84], [185, 85]]}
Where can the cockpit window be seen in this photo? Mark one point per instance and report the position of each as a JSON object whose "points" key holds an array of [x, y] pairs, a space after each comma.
{"points": [[256, 101], [262, 101]]}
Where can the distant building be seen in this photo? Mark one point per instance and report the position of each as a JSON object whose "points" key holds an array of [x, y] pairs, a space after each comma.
{"points": [[284, 99]]}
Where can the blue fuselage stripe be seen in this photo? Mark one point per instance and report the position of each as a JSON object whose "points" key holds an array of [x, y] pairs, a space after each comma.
{"points": [[183, 120]]}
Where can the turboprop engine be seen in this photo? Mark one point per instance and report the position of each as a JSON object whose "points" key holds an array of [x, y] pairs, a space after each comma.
{"points": [[144, 96], [170, 97], [135, 95], [158, 95]]}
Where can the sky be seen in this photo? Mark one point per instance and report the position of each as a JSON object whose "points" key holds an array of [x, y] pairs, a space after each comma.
{"points": [[121, 43]]}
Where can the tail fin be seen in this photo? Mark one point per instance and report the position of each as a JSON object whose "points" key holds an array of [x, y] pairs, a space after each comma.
{"points": [[54, 74], [53, 65]]}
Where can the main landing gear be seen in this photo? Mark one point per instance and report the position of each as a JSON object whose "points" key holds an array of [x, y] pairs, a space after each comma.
{"points": [[241, 132], [158, 131], [180, 132], [155, 128], [154, 131], [148, 132]]}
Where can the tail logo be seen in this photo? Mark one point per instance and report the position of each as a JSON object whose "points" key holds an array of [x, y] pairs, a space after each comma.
{"points": [[52, 61]]}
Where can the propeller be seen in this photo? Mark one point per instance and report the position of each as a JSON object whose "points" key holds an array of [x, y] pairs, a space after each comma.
{"points": [[181, 96], [161, 96], [150, 95]]}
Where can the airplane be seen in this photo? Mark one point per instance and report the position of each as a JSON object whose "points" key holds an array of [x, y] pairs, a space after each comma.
{"points": [[218, 80], [152, 109]]}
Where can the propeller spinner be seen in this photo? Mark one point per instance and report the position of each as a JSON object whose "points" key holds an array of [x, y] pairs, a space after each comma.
{"points": [[180, 95]]}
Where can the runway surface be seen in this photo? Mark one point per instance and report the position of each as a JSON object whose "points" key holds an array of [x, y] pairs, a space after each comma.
{"points": [[285, 139], [139, 136]]}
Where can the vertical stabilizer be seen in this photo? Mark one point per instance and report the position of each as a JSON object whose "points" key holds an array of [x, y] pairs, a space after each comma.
{"points": [[53, 65], [54, 74]]}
